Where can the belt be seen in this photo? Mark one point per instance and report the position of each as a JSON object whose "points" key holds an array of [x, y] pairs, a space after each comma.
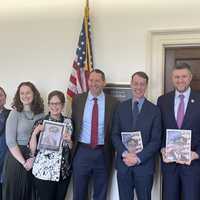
{"points": [[89, 146]]}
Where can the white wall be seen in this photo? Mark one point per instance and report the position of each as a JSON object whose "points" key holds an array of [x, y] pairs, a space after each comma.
{"points": [[39, 44], [38, 39]]}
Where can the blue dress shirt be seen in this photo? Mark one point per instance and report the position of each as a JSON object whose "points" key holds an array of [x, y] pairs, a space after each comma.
{"points": [[85, 135]]}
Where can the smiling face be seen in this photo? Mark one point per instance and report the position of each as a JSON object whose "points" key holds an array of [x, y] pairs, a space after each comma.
{"points": [[138, 85], [181, 79], [96, 83], [26, 95], [55, 107]]}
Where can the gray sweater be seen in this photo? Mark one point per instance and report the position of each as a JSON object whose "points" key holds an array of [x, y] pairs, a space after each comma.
{"points": [[19, 127]]}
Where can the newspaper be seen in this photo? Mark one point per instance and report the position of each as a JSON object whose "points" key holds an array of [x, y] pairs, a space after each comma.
{"points": [[178, 145], [132, 141]]}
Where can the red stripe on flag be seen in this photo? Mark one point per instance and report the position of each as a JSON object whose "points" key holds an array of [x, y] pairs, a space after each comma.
{"points": [[70, 93], [73, 80]]}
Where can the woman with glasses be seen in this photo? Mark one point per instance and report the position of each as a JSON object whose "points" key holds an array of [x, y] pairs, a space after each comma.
{"points": [[52, 166]]}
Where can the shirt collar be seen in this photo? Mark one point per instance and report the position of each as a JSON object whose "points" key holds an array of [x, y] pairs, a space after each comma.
{"points": [[140, 101], [99, 98], [186, 93]]}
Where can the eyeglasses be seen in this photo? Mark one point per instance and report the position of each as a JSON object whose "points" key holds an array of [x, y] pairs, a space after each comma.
{"points": [[55, 104]]}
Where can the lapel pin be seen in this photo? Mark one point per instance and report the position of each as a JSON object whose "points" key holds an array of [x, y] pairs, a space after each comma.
{"points": [[192, 100]]}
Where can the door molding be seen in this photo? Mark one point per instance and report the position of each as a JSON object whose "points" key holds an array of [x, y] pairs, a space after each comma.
{"points": [[157, 40]]}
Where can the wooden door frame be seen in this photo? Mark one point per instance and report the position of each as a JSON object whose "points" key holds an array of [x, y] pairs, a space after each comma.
{"points": [[157, 41]]}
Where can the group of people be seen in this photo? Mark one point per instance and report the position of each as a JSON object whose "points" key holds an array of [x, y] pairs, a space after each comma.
{"points": [[92, 136]]}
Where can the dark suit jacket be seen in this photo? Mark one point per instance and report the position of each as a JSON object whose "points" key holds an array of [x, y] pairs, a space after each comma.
{"points": [[78, 105], [191, 121], [3, 147], [148, 122]]}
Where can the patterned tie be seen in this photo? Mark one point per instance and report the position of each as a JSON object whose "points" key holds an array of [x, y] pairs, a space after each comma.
{"points": [[135, 112], [94, 125], [180, 112]]}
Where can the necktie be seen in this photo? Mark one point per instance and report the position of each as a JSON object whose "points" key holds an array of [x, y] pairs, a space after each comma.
{"points": [[180, 112], [135, 112], [94, 125]]}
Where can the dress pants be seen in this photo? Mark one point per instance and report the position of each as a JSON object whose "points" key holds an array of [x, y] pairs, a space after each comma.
{"points": [[89, 164], [129, 180], [181, 185]]}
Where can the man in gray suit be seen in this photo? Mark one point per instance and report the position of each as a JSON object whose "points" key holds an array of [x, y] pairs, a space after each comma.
{"points": [[92, 151]]}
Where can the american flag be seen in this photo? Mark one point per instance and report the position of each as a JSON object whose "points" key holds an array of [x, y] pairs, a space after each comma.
{"points": [[83, 62]]}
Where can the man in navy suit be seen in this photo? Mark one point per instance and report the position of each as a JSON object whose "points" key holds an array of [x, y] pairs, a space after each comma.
{"points": [[181, 179], [92, 161], [135, 169]]}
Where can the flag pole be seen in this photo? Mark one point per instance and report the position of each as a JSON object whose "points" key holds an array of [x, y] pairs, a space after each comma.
{"points": [[83, 62], [88, 50]]}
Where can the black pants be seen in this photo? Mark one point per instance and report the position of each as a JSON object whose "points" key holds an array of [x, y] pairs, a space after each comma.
{"points": [[51, 190]]}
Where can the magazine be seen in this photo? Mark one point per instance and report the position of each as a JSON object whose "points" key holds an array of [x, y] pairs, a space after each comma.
{"points": [[132, 141], [178, 145]]}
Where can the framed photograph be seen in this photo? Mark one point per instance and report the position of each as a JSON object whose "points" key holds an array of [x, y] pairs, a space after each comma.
{"points": [[51, 137], [178, 145], [120, 91], [132, 141]]}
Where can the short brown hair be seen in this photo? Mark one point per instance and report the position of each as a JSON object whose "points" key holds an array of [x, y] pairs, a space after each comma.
{"points": [[142, 75], [98, 71], [37, 105], [183, 65], [57, 93]]}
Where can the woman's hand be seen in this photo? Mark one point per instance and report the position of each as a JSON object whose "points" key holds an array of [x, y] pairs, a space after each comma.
{"points": [[67, 138], [38, 129], [29, 163]]}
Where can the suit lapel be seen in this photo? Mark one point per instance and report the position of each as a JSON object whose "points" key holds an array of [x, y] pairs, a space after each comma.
{"points": [[170, 108], [106, 116], [188, 109], [129, 113], [80, 109]]}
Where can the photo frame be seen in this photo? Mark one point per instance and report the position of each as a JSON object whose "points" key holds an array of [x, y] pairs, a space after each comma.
{"points": [[51, 137], [120, 91]]}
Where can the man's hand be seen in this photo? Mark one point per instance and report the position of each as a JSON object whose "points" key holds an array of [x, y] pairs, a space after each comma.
{"points": [[130, 159], [164, 158], [194, 156]]}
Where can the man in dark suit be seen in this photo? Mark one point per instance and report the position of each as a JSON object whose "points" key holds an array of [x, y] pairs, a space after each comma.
{"points": [[3, 148], [92, 151], [135, 169], [181, 178]]}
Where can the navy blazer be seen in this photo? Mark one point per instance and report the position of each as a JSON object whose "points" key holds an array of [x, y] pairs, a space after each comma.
{"points": [[191, 121], [149, 123]]}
